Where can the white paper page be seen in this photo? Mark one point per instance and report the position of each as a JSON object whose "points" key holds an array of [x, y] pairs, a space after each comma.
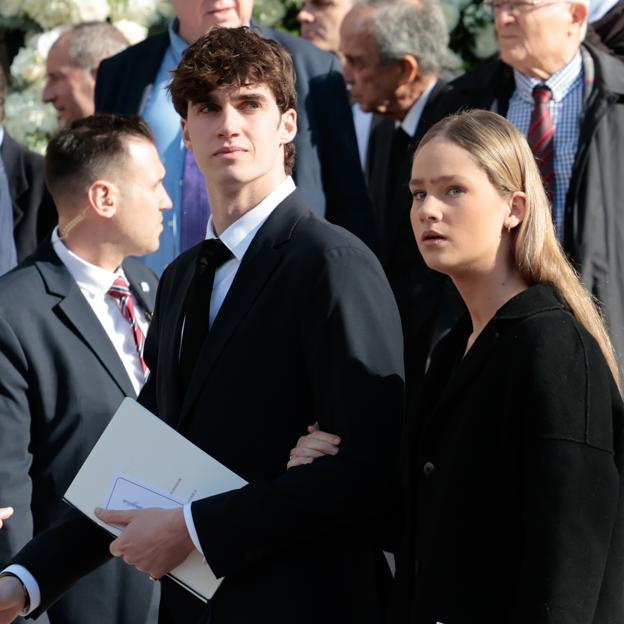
{"points": [[152, 455]]}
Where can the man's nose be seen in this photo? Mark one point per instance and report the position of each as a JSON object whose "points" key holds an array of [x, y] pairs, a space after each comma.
{"points": [[47, 95], [304, 16]]}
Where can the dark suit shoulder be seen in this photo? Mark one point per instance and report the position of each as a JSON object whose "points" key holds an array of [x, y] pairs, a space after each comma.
{"points": [[564, 386], [156, 44], [31, 160]]}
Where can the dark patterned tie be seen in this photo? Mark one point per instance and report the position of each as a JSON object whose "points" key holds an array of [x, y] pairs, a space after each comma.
{"points": [[212, 255], [8, 254], [195, 204], [121, 292], [541, 138]]}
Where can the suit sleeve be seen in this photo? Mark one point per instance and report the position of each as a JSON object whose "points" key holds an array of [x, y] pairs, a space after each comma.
{"points": [[571, 415], [352, 349], [15, 456]]}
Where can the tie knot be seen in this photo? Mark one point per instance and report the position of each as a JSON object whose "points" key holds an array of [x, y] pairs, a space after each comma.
{"points": [[119, 289], [542, 93], [213, 254]]}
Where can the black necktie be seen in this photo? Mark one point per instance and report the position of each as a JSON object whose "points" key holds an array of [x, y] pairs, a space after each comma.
{"points": [[212, 255], [398, 165]]}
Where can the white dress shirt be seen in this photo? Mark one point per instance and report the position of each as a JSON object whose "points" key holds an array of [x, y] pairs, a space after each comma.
{"points": [[94, 282], [412, 119], [237, 239]]}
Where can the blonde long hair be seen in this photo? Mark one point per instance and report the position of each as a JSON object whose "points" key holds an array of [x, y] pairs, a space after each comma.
{"points": [[503, 153]]}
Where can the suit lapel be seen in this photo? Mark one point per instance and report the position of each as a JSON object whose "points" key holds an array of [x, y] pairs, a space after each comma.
{"points": [[141, 289], [260, 261], [465, 371], [73, 306]]}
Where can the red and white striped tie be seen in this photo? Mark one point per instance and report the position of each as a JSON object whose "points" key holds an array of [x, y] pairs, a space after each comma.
{"points": [[541, 137], [121, 292]]}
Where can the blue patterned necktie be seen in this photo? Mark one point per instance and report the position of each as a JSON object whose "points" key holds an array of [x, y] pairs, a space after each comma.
{"points": [[195, 204], [8, 254]]}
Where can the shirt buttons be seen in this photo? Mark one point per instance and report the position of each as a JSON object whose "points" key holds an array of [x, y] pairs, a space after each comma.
{"points": [[428, 469]]}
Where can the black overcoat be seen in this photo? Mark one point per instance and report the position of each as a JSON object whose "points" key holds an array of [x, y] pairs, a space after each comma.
{"points": [[515, 475]]}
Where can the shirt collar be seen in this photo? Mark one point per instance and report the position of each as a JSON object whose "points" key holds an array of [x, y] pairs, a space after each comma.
{"points": [[560, 83], [410, 123], [238, 236], [178, 45], [1, 135], [89, 277]]}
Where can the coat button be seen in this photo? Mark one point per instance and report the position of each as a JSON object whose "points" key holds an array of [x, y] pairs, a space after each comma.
{"points": [[428, 469]]}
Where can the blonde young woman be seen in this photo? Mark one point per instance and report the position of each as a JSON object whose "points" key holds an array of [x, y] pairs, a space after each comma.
{"points": [[514, 450]]}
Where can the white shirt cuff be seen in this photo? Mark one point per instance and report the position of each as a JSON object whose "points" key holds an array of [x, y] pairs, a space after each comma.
{"points": [[190, 527], [31, 585]]}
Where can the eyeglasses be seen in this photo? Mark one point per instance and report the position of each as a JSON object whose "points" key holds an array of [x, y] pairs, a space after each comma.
{"points": [[520, 6]]}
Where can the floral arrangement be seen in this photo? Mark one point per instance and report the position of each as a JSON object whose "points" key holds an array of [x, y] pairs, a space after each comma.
{"points": [[28, 119]]}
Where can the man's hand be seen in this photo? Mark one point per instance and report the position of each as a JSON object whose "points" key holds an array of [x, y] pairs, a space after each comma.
{"points": [[5, 512], [153, 540], [11, 599]]}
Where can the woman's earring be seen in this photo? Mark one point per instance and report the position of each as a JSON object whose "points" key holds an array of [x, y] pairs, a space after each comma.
{"points": [[508, 227]]}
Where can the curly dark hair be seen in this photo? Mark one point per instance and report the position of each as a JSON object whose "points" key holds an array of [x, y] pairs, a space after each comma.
{"points": [[234, 57]]}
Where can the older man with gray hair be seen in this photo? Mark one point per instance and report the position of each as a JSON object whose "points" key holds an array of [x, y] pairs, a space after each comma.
{"points": [[72, 66], [567, 97], [394, 52]]}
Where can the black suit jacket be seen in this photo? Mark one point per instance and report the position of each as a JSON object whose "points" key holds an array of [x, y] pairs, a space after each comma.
{"points": [[34, 214], [308, 332], [60, 381], [327, 166], [515, 477], [416, 287]]}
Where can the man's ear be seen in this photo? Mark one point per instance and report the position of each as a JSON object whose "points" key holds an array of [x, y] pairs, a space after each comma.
{"points": [[103, 198], [580, 14], [186, 137], [288, 126], [409, 69]]}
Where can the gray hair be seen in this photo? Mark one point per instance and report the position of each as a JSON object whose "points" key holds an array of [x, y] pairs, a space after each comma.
{"points": [[415, 27], [92, 42]]}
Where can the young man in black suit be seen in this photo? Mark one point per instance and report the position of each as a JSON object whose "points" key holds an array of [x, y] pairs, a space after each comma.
{"points": [[68, 355], [327, 169], [296, 325]]}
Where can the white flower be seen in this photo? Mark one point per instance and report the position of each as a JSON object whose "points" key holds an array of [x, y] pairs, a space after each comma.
{"points": [[132, 31], [90, 11], [142, 11], [10, 8], [51, 13], [42, 42], [28, 66], [28, 119]]}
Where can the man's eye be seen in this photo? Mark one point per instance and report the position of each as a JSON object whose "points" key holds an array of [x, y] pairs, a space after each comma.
{"points": [[251, 105], [419, 195]]}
